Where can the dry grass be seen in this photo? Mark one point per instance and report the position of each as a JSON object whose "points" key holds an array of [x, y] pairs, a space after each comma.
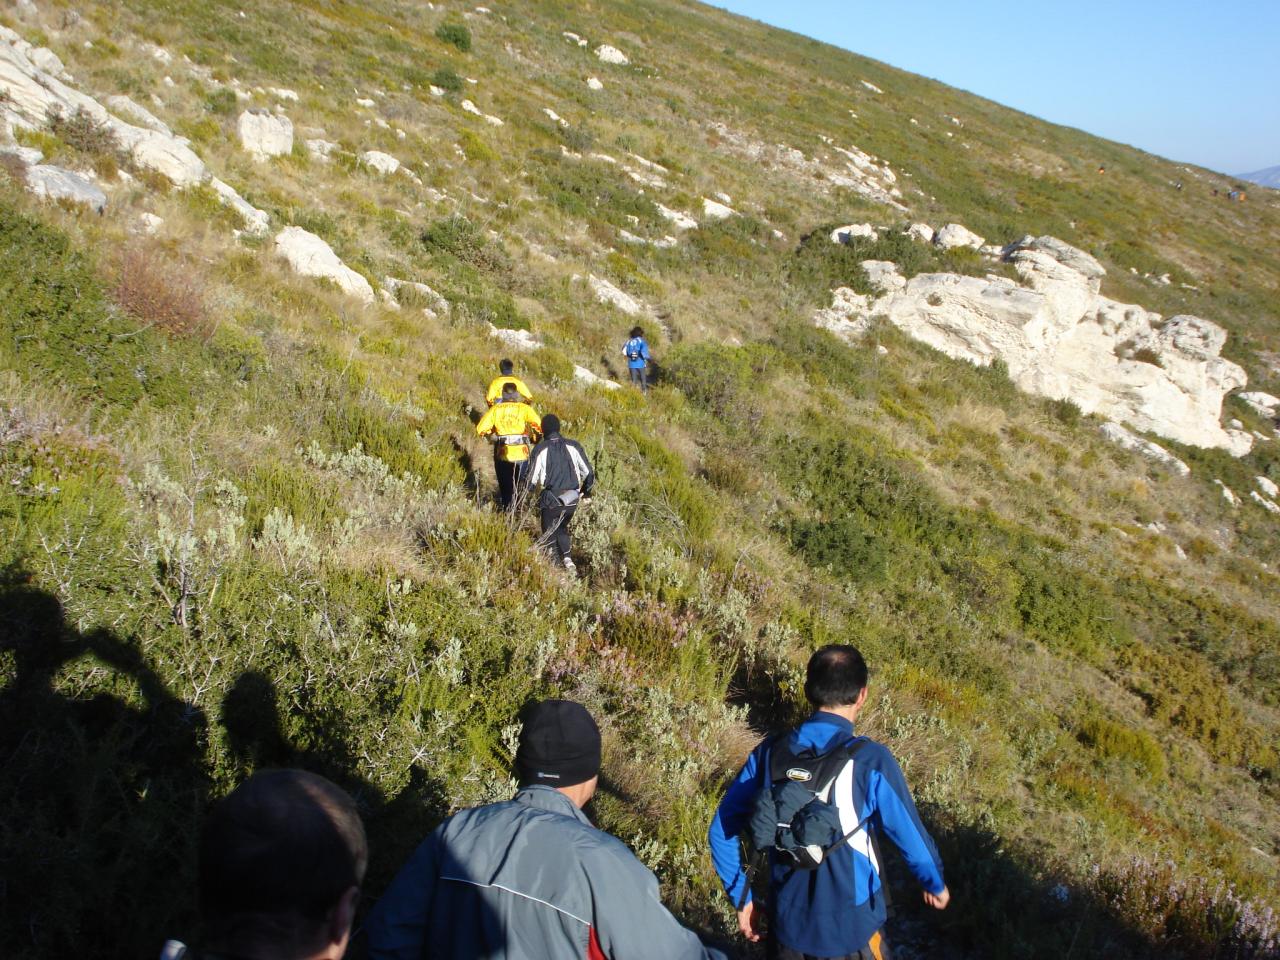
{"points": [[162, 294]]}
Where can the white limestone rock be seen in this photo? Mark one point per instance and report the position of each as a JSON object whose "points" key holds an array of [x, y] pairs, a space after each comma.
{"points": [[555, 117], [1152, 451], [54, 183], [883, 275], [378, 162], [1267, 487], [1269, 505], [24, 155], [871, 86], [310, 256], [854, 231], [594, 83], [516, 339], [681, 221], [609, 54], [585, 377], [574, 38], [921, 232], [264, 135], [954, 235], [320, 148], [45, 59], [125, 107], [848, 317], [607, 293], [438, 304], [256, 222], [715, 210], [1262, 403], [149, 223], [283, 93], [1228, 494]]}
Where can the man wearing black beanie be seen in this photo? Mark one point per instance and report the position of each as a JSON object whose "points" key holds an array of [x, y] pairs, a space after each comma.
{"points": [[531, 877]]}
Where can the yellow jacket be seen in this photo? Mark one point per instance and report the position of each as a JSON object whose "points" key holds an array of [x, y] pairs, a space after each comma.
{"points": [[494, 393], [513, 424]]}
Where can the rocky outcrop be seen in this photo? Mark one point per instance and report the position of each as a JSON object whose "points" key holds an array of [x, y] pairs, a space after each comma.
{"points": [[1261, 403], [256, 222], [853, 231], [608, 54], [585, 377], [681, 221], [715, 210], [436, 304], [594, 83], [1059, 337], [883, 275], [517, 339], [310, 256], [920, 231], [607, 293], [380, 162], [1152, 451], [264, 134], [125, 107], [54, 183], [954, 235]]}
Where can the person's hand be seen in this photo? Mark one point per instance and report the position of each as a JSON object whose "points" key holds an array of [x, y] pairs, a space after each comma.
{"points": [[938, 901], [748, 922]]}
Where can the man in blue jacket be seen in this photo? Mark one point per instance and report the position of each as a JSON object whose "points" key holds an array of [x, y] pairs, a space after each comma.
{"points": [[636, 350], [837, 909]]}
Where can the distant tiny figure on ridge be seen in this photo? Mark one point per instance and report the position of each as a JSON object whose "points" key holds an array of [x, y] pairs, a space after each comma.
{"points": [[512, 425], [507, 375], [636, 350], [281, 861], [561, 468]]}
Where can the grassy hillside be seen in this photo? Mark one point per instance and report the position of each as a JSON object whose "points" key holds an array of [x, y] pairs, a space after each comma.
{"points": [[245, 520]]}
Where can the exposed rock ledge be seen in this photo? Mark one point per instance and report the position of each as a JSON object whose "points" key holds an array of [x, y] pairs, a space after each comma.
{"points": [[1061, 338]]}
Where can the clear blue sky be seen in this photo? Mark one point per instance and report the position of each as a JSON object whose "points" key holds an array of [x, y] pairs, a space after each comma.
{"points": [[1190, 80]]}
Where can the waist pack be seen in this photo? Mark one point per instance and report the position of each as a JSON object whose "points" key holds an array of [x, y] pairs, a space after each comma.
{"points": [[793, 815], [514, 440]]}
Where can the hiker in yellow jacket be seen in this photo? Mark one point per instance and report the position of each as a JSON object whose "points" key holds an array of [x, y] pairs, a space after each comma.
{"points": [[513, 426], [498, 384]]}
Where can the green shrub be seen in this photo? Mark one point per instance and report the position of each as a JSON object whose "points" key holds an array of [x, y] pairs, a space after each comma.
{"points": [[95, 142], [221, 102], [1113, 741], [460, 238], [447, 79], [456, 35]]}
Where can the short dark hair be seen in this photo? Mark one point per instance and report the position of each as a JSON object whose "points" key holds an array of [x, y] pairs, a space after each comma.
{"points": [[637, 332], [510, 390], [836, 675], [506, 366], [277, 854]]}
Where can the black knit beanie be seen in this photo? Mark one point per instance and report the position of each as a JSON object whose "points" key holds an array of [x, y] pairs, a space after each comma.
{"points": [[550, 424], [559, 745]]}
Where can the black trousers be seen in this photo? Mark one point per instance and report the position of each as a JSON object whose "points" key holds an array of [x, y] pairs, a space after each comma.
{"points": [[877, 949], [555, 529], [508, 475]]}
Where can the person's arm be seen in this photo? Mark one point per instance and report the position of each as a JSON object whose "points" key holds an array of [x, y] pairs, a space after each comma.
{"points": [[536, 473], [894, 811], [582, 468], [486, 422], [629, 919], [727, 825], [644, 350], [521, 388], [494, 391], [535, 421], [396, 928]]}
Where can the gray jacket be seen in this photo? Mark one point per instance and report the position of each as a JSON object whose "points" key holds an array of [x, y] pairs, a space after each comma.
{"points": [[529, 879]]}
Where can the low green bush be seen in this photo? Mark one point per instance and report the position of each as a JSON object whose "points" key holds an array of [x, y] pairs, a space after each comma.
{"points": [[456, 35]]}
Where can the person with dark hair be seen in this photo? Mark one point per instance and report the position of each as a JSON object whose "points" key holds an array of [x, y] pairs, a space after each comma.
{"points": [[561, 468], [636, 350], [531, 877], [281, 861], [512, 425], [832, 903], [506, 377]]}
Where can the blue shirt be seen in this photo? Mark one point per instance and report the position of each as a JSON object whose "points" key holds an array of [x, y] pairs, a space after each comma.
{"points": [[637, 353], [833, 910]]}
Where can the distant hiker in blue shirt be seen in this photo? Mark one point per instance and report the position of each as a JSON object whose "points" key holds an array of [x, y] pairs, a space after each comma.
{"points": [[836, 908], [636, 350]]}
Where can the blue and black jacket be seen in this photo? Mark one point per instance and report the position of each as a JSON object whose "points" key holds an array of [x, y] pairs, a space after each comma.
{"points": [[834, 910]]}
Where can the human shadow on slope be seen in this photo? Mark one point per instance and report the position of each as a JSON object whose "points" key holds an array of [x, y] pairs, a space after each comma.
{"points": [[98, 791]]}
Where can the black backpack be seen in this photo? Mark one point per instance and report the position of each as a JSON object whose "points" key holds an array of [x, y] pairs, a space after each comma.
{"points": [[788, 818]]}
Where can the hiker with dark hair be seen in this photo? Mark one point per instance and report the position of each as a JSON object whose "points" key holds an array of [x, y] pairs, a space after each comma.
{"points": [[512, 425], [281, 861], [561, 468], [813, 802], [506, 377], [636, 350], [531, 877]]}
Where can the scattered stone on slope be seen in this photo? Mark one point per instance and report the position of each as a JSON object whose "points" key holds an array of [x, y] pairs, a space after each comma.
{"points": [[438, 304], [1267, 487], [954, 235], [54, 183], [574, 38], [310, 256], [380, 162], [853, 231], [256, 222], [594, 83], [1269, 505], [883, 275], [1060, 338], [587, 378], [609, 54], [1152, 451], [320, 149], [149, 223], [848, 317], [472, 109], [264, 134], [516, 339], [607, 293], [920, 231], [1228, 494], [1262, 403], [283, 93], [664, 243], [681, 221], [555, 117], [871, 86], [715, 210]]}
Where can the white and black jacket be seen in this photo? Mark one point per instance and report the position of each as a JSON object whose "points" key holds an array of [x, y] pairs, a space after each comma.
{"points": [[559, 466]]}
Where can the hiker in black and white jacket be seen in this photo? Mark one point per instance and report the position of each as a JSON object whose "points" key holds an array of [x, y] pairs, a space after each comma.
{"points": [[560, 467]]}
